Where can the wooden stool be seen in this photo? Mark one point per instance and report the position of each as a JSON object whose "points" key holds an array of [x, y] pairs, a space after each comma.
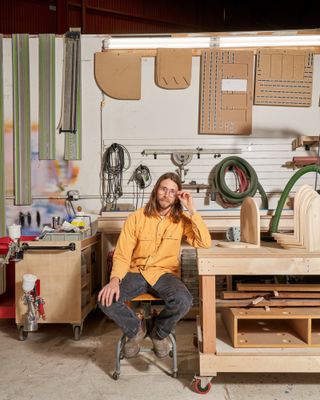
{"points": [[146, 300]]}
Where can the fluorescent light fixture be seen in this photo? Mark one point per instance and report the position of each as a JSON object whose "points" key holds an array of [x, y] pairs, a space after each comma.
{"points": [[157, 42], [269, 41], [196, 42]]}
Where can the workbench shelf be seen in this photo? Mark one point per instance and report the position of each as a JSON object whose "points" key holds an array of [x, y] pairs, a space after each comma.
{"points": [[69, 282], [277, 327]]}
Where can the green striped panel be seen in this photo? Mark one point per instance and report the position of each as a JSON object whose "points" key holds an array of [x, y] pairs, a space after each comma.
{"points": [[47, 140], [72, 96], [2, 160], [21, 119]]}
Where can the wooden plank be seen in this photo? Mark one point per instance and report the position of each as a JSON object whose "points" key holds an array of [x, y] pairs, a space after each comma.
{"points": [[292, 287], [268, 303], [305, 141], [280, 295], [211, 364]]}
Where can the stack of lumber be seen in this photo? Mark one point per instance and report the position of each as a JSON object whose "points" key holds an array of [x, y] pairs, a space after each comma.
{"points": [[306, 222], [271, 295]]}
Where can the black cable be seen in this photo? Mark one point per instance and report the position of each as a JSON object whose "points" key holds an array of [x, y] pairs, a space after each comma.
{"points": [[115, 160], [141, 177], [69, 208]]}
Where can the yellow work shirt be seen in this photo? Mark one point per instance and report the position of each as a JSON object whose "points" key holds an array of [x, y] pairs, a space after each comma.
{"points": [[151, 245]]}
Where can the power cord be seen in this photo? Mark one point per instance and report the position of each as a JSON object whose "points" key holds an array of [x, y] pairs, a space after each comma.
{"points": [[115, 160]]}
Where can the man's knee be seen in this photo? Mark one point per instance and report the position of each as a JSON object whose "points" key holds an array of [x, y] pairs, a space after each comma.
{"points": [[183, 300], [109, 311]]}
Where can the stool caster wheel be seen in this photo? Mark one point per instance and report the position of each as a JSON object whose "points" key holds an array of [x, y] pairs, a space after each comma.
{"points": [[175, 374], [171, 353], [116, 375]]}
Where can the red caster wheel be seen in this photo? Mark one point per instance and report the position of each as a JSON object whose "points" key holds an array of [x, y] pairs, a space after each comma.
{"points": [[201, 389]]}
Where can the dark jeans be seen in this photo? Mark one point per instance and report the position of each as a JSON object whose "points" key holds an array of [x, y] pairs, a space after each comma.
{"points": [[169, 288]]}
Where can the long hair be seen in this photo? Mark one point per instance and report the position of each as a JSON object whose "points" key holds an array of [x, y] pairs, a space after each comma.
{"points": [[150, 209]]}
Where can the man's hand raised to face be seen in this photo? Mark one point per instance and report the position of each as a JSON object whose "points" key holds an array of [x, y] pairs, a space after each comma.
{"points": [[109, 292], [186, 201]]}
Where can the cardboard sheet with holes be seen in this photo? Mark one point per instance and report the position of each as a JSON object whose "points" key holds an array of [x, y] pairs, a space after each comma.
{"points": [[284, 78], [226, 92]]}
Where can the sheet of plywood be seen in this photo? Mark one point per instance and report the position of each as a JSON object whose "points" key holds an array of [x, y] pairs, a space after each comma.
{"points": [[226, 92], [284, 77], [173, 68], [118, 74]]}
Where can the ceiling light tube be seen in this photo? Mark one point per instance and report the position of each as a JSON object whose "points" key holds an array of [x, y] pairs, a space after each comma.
{"points": [[157, 42], [196, 42], [270, 40]]}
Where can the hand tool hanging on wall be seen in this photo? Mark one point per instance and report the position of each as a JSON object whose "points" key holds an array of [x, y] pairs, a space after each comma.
{"points": [[70, 121], [21, 119], [2, 172], [141, 176], [47, 98]]}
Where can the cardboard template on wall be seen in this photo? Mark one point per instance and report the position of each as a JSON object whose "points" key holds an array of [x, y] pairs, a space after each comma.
{"points": [[118, 75], [226, 92], [173, 68], [284, 78]]}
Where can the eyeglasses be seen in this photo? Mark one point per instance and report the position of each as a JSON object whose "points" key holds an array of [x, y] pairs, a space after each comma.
{"points": [[168, 192]]}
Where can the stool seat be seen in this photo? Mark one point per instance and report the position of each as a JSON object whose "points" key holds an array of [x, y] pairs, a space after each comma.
{"points": [[145, 297]]}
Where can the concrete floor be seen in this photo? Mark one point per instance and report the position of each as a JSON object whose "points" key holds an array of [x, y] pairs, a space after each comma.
{"points": [[50, 365]]}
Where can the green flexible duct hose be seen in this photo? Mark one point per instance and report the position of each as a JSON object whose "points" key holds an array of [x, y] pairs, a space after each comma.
{"points": [[219, 185], [276, 218]]}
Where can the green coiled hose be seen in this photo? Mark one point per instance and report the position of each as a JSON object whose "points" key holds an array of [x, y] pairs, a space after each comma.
{"points": [[276, 218], [220, 187]]}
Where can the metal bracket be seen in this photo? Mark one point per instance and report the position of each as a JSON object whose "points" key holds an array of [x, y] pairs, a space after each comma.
{"points": [[182, 157]]}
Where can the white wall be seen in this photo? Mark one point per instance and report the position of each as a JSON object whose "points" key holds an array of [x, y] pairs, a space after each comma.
{"points": [[164, 119]]}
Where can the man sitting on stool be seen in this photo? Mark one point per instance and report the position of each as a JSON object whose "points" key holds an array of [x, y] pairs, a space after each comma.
{"points": [[146, 260]]}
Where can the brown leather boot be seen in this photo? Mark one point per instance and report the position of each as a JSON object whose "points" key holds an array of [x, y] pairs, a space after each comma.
{"points": [[132, 345], [161, 347]]}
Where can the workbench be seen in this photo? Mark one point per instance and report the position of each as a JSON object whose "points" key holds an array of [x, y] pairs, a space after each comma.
{"points": [[216, 353]]}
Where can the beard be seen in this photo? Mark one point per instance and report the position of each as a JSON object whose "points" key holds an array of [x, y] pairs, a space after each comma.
{"points": [[163, 205]]}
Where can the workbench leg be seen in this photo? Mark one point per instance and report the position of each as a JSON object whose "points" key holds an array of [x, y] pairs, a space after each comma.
{"points": [[208, 312]]}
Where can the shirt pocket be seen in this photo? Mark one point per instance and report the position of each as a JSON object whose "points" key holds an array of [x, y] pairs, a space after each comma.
{"points": [[145, 245], [171, 243]]}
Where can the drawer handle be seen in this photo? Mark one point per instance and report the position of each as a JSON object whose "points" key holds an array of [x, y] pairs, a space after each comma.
{"points": [[70, 246]]}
